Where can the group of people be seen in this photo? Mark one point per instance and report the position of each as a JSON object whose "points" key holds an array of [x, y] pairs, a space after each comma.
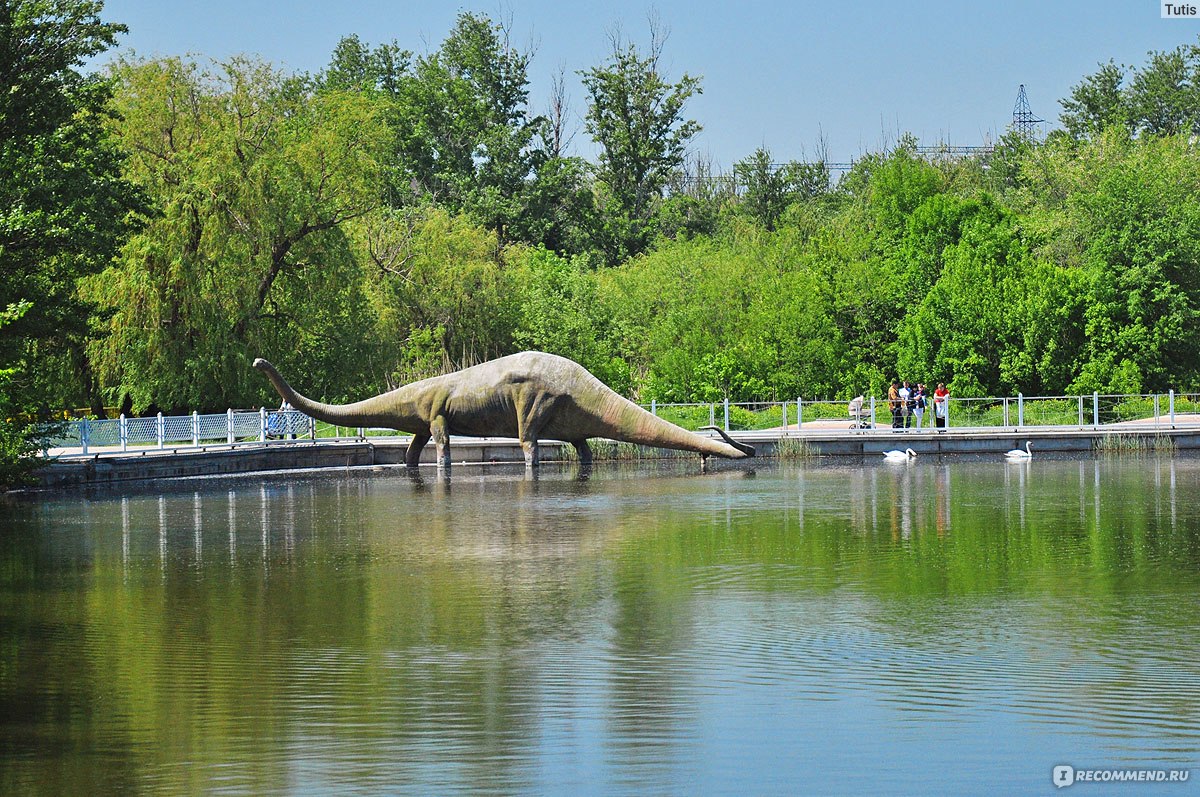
{"points": [[908, 402]]}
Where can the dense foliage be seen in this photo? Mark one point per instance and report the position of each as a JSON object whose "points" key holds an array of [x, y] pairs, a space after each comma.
{"points": [[63, 209], [398, 215]]}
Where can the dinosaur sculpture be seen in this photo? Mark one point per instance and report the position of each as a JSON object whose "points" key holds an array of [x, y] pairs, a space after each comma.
{"points": [[529, 396]]}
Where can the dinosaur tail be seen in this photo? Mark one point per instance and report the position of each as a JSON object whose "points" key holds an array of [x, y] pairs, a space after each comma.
{"points": [[631, 423], [370, 412]]}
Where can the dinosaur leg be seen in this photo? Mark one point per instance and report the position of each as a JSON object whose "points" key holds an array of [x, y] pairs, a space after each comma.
{"points": [[584, 452], [412, 457], [533, 411], [442, 440], [530, 447]]}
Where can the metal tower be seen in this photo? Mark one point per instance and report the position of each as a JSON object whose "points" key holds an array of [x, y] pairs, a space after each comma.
{"points": [[1024, 122]]}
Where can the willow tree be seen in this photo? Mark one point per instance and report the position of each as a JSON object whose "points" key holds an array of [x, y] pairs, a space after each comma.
{"points": [[254, 178]]}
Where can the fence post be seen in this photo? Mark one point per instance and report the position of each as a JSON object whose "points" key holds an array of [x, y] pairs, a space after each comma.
{"points": [[654, 407], [1081, 412], [1095, 409], [727, 413], [312, 428], [1006, 423], [195, 428], [872, 412], [159, 433], [712, 414], [262, 424], [123, 431], [784, 405], [83, 434], [1156, 412], [799, 413], [1020, 410], [1171, 406], [948, 411], [229, 426]]}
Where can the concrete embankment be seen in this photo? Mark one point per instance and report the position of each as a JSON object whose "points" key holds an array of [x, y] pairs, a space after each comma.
{"points": [[109, 466]]}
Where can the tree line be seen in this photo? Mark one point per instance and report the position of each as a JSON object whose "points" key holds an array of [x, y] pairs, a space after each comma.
{"points": [[397, 215]]}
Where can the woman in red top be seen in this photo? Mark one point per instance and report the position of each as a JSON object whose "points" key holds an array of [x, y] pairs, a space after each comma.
{"points": [[940, 405]]}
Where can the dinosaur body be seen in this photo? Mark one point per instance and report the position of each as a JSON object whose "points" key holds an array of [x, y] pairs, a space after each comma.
{"points": [[529, 396]]}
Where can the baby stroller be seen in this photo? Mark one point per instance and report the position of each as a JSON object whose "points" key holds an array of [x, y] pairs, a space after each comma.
{"points": [[859, 419]]}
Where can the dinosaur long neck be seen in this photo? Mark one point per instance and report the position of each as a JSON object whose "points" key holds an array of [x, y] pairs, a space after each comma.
{"points": [[386, 410], [630, 422]]}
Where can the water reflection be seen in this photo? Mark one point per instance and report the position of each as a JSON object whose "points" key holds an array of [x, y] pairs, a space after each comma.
{"points": [[384, 631]]}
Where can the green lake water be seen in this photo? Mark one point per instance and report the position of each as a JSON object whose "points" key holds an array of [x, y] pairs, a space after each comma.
{"points": [[952, 626]]}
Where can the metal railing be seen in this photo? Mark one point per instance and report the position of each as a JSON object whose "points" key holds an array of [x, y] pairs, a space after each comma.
{"points": [[1160, 410], [1169, 410], [230, 428]]}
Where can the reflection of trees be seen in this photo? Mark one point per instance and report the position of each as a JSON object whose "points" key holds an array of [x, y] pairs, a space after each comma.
{"points": [[417, 629]]}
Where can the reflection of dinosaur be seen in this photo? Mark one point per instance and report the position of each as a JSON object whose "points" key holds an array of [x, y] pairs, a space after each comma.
{"points": [[529, 396]]}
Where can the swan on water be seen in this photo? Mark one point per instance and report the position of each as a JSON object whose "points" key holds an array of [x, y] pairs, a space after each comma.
{"points": [[1017, 453], [899, 455]]}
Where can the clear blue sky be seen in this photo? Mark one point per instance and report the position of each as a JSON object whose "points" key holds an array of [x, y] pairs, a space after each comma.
{"points": [[775, 74]]}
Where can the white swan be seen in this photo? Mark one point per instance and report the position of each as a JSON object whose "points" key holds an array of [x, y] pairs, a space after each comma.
{"points": [[897, 456], [1017, 453]]}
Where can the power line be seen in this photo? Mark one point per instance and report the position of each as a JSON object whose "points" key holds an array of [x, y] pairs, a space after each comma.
{"points": [[1024, 122]]}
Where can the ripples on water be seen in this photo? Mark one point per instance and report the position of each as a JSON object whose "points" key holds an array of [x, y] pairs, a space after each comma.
{"points": [[928, 627]]}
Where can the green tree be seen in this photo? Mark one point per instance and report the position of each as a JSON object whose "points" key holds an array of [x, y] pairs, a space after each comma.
{"points": [[466, 137], [967, 330], [741, 316], [63, 206], [1160, 98], [254, 178], [19, 434], [1163, 97], [1096, 103], [440, 291], [636, 117], [562, 312], [770, 188], [699, 201]]}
